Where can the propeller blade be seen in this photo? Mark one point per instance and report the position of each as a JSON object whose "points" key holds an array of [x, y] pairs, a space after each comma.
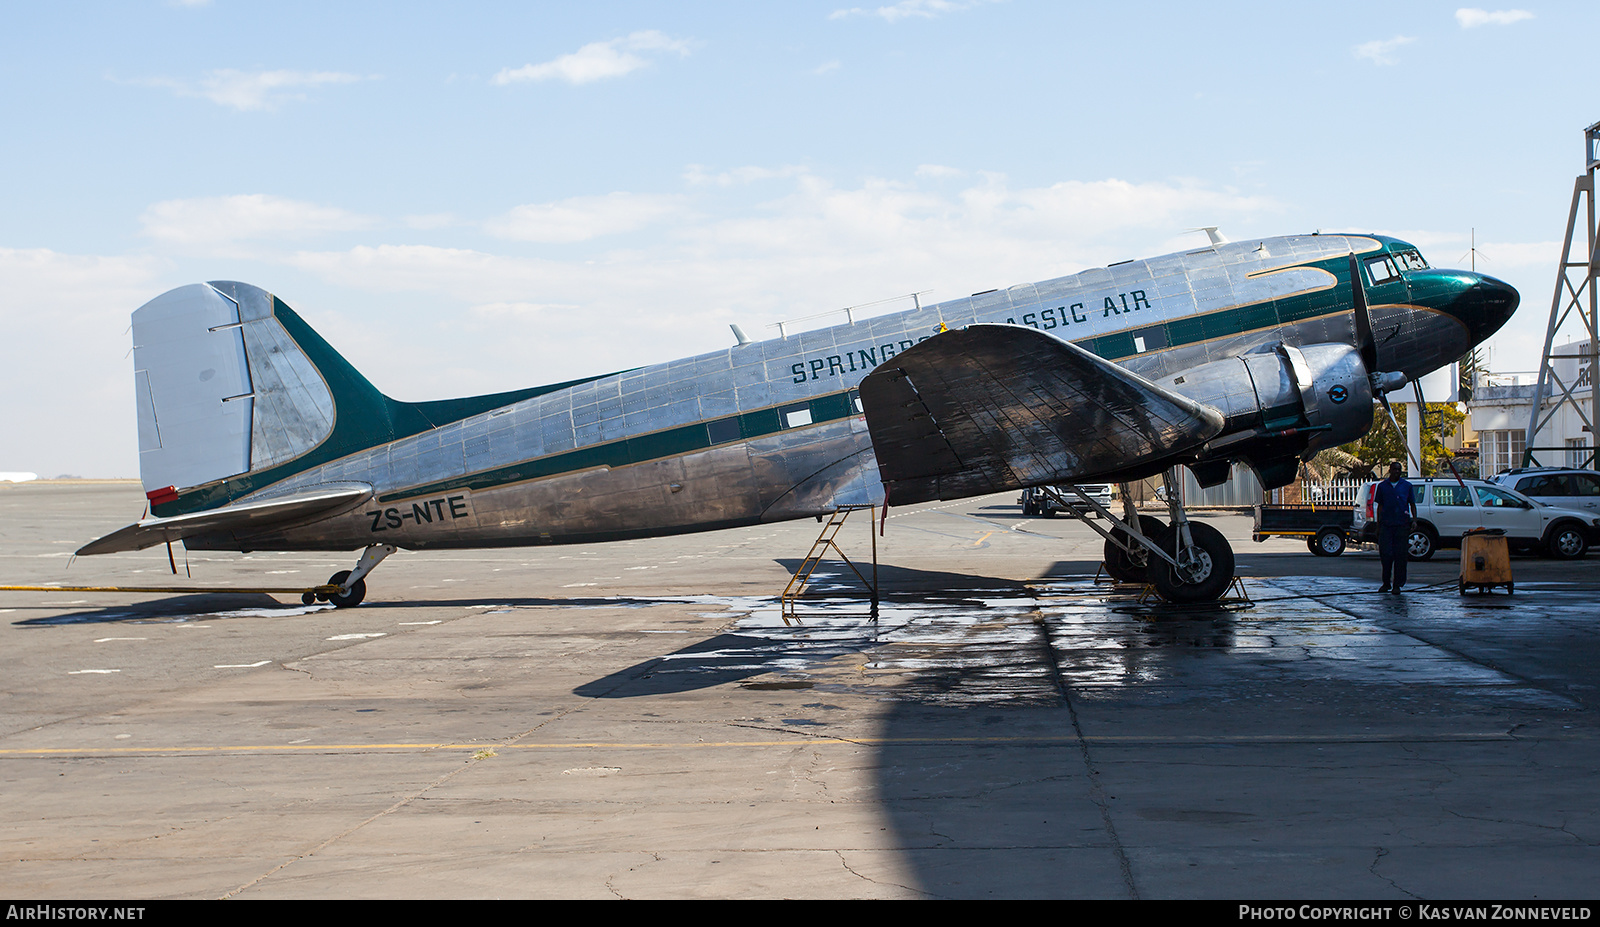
{"points": [[1365, 343], [1399, 432], [1422, 409]]}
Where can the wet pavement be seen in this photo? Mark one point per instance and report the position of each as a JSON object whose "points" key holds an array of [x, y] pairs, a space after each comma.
{"points": [[638, 720]]}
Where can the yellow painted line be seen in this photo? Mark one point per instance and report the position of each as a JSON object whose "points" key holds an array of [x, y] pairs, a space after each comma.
{"points": [[796, 742], [982, 539], [274, 591]]}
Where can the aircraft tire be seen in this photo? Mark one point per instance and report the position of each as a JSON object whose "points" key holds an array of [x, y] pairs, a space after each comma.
{"points": [[1121, 568], [357, 591], [1216, 566]]}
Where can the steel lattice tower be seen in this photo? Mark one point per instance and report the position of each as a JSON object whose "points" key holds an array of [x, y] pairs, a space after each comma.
{"points": [[1572, 307]]}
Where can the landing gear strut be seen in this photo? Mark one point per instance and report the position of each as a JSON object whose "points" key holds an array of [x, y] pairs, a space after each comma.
{"points": [[1201, 567], [1185, 562], [352, 583], [1126, 559]]}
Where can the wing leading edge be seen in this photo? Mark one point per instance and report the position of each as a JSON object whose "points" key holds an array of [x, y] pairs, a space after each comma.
{"points": [[995, 407]]}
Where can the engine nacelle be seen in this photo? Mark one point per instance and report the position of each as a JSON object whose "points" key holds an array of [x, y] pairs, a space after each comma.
{"points": [[1284, 401]]}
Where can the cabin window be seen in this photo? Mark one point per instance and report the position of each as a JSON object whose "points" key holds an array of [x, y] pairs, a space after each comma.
{"points": [[723, 431], [1381, 270], [796, 415]]}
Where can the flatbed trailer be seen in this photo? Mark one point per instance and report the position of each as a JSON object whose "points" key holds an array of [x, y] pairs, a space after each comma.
{"points": [[1325, 528]]}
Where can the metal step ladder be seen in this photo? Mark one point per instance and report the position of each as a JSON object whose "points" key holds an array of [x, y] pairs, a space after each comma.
{"points": [[825, 542]]}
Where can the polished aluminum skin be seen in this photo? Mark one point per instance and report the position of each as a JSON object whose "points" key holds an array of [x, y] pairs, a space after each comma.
{"points": [[458, 485]]}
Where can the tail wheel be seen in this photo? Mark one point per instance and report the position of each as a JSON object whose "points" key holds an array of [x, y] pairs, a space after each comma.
{"points": [[1122, 567], [1204, 569], [358, 590]]}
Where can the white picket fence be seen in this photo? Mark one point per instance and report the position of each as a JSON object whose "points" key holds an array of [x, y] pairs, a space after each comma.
{"points": [[1330, 492]]}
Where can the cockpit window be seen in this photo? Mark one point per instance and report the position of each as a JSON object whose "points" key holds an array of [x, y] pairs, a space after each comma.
{"points": [[1387, 267], [1410, 260]]}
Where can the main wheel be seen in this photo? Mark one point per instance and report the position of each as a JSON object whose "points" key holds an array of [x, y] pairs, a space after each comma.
{"points": [[1204, 570], [1567, 543], [1421, 544], [1329, 542], [358, 590], [1121, 567]]}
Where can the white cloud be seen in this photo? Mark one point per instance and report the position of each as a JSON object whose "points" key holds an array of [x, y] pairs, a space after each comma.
{"points": [[826, 67], [581, 218], [219, 219], [65, 370], [245, 91], [503, 317], [1381, 51], [910, 9], [1470, 17], [696, 174], [597, 60], [815, 247]]}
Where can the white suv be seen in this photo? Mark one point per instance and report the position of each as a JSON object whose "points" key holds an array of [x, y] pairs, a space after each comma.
{"points": [[1563, 487], [1447, 509]]}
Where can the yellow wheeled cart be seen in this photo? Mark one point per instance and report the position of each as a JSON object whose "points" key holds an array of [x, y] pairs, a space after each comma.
{"points": [[1485, 562]]}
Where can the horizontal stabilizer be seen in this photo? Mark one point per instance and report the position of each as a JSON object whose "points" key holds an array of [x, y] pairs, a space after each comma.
{"points": [[245, 517], [996, 407]]}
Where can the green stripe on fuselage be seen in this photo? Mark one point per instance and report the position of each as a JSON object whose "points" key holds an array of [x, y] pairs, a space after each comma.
{"points": [[657, 445]]}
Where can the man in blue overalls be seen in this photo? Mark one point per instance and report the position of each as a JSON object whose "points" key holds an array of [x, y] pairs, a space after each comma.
{"points": [[1397, 512]]}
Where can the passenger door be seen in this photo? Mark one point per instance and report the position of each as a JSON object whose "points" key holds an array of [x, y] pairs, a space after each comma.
{"points": [[1500, 509], [1585, 492], [1453, 511]]}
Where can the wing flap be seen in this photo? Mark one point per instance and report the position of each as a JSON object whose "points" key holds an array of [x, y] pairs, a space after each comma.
{"points": [[995, 407], [244, 517]]}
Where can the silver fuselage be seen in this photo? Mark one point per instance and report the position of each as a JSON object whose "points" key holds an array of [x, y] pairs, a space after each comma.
{"points": [[771, 430]]}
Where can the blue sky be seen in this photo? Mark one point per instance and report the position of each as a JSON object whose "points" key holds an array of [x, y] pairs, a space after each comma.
{"points": [[473, 197]]}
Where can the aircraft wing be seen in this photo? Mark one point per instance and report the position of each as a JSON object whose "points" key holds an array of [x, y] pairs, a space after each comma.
{"points": [[244, 517], [995, 407]]}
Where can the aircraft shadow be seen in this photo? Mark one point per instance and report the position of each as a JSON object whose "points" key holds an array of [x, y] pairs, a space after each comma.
{"points": [[197, 605], [715, 661], [833, 575]]}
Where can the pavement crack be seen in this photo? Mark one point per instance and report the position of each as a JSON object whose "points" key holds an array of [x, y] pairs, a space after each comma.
{"points": [[868, 879], [1377, 858], [1097, 793]]}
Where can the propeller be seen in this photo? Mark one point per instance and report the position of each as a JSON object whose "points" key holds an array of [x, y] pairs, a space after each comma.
{"points": [[1382, 381]]}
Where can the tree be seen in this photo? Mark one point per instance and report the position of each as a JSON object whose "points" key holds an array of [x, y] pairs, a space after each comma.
{"points": [[1383, 443]]}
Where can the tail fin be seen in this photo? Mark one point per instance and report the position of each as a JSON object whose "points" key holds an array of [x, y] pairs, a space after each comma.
{"points": [[222, 388], [235, 392]]}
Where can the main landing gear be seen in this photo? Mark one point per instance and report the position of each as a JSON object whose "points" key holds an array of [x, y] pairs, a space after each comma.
{"points": [[1184, 561], [351, 584]]}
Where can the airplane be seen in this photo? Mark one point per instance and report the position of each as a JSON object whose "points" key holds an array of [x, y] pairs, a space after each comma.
{"points": [[255, 434]]}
